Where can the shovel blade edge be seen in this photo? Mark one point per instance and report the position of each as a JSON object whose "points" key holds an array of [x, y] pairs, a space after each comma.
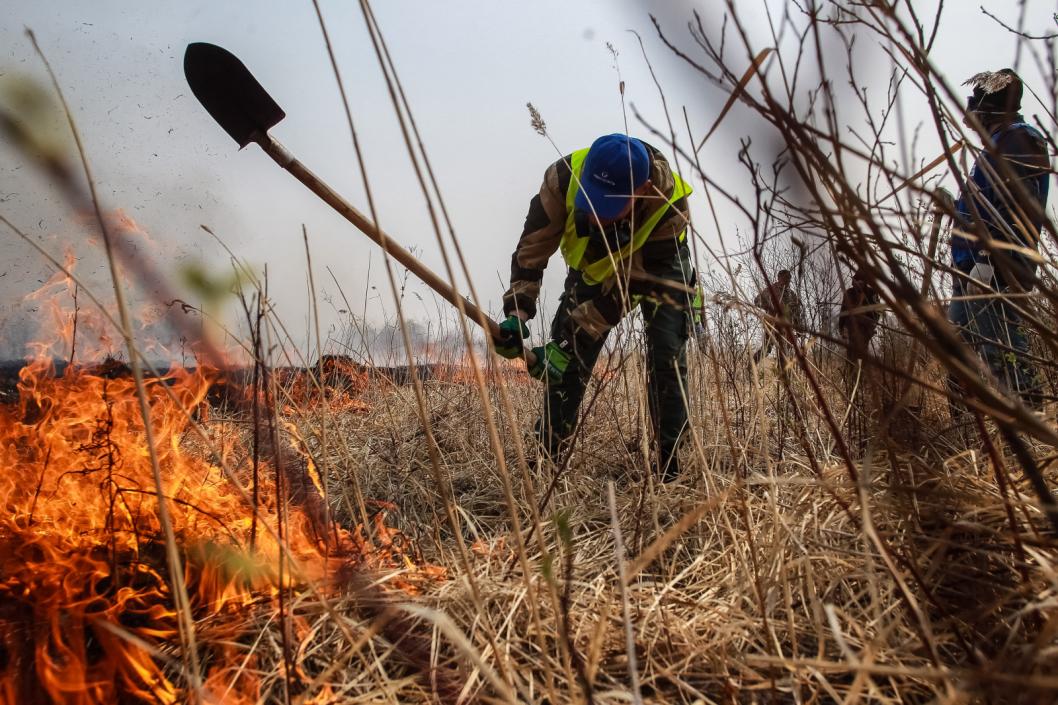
{"points": [[229, 92]]}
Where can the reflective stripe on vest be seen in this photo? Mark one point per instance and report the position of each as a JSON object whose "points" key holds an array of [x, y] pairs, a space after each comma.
{"points": [[573, 245]]}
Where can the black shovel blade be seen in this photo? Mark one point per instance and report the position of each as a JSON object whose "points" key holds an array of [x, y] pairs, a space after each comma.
{"points": [[229, 92]]}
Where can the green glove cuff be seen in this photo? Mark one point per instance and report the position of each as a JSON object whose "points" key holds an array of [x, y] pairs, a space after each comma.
{"points": [[552, 361], [513, 332]]}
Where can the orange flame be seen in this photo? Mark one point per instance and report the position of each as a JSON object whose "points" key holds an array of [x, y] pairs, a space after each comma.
{"points": [[85, 606]]}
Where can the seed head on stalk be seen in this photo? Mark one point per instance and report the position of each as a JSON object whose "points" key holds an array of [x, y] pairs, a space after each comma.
{"points": [[991, 81], [536, 120]]}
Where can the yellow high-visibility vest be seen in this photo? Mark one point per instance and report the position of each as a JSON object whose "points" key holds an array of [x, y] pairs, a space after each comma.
{"points": [[573, 245], [697, 304]]}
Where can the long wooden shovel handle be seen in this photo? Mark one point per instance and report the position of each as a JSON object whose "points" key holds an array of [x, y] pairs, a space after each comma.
{"points": [[282, 156]]}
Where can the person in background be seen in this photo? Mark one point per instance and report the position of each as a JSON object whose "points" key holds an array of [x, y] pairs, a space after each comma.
{"points": [[778, 301], [857, 320], [618, 213], [996, 233]]}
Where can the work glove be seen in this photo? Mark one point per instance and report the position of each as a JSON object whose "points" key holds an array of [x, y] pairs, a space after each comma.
{"points": [[551, 363], [982, 279], [512, 331]]}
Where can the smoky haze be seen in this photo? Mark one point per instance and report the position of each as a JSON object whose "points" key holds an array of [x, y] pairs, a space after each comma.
{"points": [[468, 70]]}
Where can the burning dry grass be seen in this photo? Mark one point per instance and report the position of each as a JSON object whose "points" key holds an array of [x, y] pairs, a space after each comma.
{"points": [[764, 573], [86, 611], [781, 566]]}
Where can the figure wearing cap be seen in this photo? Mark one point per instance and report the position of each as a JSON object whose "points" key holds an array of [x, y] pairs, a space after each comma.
{"points": [[997, 230], [618, 214]]}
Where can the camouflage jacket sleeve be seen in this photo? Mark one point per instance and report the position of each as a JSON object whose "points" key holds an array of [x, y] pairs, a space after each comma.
{"points": [[541, 236]]}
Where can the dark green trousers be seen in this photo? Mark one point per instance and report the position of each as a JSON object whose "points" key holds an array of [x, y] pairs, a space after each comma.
{"points": [[667, 325]]}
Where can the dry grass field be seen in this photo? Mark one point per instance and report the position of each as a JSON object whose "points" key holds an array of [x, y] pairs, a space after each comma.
{"points": [[765, 573], [292, 529], [770, 571]]}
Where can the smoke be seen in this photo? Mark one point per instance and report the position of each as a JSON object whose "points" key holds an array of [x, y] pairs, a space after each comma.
{"points": [[72, 312], [383, 343]]}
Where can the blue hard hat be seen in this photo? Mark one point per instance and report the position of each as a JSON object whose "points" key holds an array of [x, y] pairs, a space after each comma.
{"points": [[615, 167]]}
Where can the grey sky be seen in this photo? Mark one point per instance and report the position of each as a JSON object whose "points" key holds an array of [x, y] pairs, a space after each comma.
{"points": [[468, 69]]}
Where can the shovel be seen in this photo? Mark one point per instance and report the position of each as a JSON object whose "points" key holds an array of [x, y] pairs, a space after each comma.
{"points": [[230, 93]]}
